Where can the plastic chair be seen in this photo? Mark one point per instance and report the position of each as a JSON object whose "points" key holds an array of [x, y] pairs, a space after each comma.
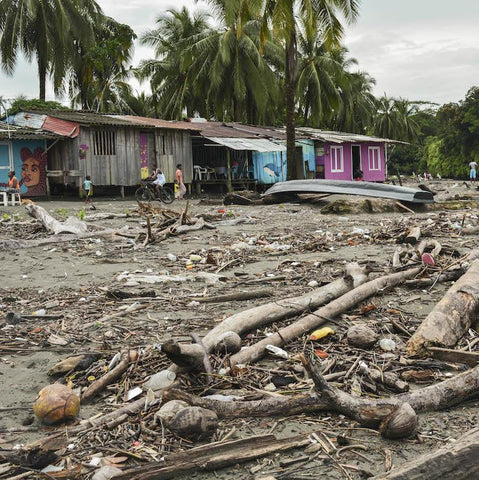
{"points": [[14, 197], [5, 198], [199, 172]]}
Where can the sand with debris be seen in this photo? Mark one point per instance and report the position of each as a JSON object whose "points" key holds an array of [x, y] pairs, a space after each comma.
{"points": [[283, 247]]}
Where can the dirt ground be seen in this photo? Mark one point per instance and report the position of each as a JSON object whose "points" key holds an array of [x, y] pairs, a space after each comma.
{"points": [[289, 248]]}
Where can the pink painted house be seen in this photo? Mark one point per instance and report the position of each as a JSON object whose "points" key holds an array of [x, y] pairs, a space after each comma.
{"points": [[342, 156]]}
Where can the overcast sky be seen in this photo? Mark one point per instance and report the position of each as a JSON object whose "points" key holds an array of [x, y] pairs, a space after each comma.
{"points": [[415, 49]]}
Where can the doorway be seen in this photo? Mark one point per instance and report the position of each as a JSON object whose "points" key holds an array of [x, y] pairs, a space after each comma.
{"points": [[356, 163]]}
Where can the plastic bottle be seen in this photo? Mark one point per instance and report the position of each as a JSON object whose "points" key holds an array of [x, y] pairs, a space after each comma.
{"points": [[160, 380]]}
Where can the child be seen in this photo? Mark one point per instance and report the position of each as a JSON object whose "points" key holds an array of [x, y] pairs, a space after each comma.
{"points": [[179, 182], [87, 186]]}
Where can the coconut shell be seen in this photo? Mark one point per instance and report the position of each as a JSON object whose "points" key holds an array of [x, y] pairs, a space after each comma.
{"points": [[194, 423], [401, 423], [56, 403], [170, 409], [361, 336], [228, 342]]}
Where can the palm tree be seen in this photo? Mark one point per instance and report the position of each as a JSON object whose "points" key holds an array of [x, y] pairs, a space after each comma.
{"points": [[357, 105], [243, 86], [170, 72], [280, 15], [99, 73], [318, 72], [45, 30]]}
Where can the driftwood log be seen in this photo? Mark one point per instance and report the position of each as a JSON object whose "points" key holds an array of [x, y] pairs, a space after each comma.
{"points": [[322, 315], [71, 225], [262, 315], [442, 395], [213, 456], [458, 460], [372, 413], [451, 317]]}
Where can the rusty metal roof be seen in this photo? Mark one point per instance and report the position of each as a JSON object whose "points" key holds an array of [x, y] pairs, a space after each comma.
{"points": [[61, 127], [156, 122], [12, 132]]}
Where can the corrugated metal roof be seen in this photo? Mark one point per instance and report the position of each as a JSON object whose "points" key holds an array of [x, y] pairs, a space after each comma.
{"points": [[13, 132], [341, 137], [85, 118], [61, 127], [27, 119], [255, 144], [157, 122]]}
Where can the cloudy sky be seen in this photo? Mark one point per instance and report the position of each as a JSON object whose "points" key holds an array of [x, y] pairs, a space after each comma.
{"points": [[415, 49]]}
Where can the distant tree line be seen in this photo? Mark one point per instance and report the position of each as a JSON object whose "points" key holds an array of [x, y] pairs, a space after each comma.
{"points": [[265, 62]]}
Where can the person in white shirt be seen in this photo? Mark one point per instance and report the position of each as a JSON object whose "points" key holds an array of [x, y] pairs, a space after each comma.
{"points": [[158, 179], [472, 171]]}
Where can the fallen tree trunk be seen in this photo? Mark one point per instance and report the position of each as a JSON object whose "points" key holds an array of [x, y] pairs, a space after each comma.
{"points": [[233, 297], [456, 460], [451, 317], [265, 407], [214, 456], [445, 394], [71, 225], [322, 315], [372, 412], [271, 312]]}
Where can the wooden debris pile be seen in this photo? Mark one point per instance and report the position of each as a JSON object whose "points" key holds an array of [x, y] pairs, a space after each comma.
{"points": [[182, 382]]}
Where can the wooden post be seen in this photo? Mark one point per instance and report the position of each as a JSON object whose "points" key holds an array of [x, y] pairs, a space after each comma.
{"points": [[228, 179], [122, 191]]}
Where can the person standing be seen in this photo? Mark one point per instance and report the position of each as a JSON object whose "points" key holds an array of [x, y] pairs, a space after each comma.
{"points": [[87, 186], [179, 181], [472, 171]]}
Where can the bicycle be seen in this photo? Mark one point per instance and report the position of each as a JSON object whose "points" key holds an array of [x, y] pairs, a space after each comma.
{"points": [[147, 192]]}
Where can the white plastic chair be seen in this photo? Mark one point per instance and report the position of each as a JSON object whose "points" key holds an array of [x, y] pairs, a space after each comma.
{"points": [[199, 172], [14, 197]]}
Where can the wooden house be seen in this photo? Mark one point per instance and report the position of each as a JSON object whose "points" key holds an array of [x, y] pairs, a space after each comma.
{"points": [[114, 150]]}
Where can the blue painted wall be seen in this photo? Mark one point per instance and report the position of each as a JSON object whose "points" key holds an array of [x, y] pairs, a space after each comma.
{"points": [[267, 167], [29, 156]]}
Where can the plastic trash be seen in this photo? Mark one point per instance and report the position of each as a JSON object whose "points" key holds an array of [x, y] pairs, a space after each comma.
{"points": [[278, 352], [40, 312], [428, 259], [387, 344], [313, 283], [196, 258], [171, 257], [321, 333], [160, 380]]}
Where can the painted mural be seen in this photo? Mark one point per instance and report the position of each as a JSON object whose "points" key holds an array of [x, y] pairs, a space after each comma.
{"points": [[269, 167], [29, 163]]}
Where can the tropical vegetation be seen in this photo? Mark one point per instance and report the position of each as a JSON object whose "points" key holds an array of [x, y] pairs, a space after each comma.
{"points": [[266, 62]]}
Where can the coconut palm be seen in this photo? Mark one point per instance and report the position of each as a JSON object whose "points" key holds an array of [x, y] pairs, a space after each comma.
{"points": [[173, 90], [45, 30], [318, 72], [99, 73], [281, 17], [242, 85]]}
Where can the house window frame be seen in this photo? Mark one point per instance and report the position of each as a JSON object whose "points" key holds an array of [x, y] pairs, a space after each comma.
{"points": [[333, 158], [10, 156], [372, 159], [104, 142]]}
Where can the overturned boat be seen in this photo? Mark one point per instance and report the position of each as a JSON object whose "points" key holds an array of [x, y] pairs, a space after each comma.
{"points": [[344, 187]]}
